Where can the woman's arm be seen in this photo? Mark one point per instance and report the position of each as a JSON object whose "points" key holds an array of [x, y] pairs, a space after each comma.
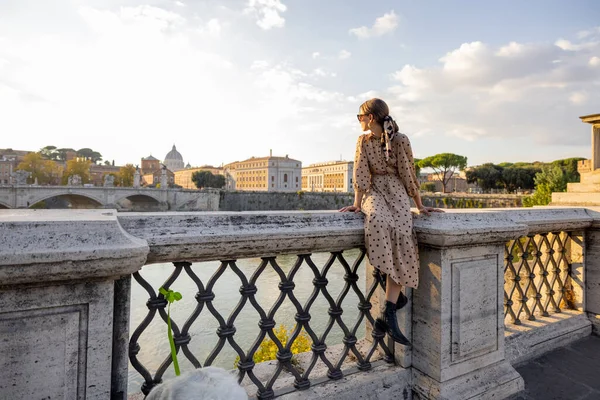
{"points": [[358, 196]]}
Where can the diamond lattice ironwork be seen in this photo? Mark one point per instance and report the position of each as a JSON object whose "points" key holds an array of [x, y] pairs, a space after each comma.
{"points": [[537, 275], [226, 331]]}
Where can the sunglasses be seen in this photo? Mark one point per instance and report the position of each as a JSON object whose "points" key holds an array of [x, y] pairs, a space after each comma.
{"points": [[360, 115]]}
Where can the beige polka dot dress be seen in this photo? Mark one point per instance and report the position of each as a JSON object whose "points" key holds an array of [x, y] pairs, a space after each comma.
{"points": [[388, 185]]}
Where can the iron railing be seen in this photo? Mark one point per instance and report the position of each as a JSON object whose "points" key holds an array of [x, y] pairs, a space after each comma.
{"points": [[537, 276], [226, 330]]}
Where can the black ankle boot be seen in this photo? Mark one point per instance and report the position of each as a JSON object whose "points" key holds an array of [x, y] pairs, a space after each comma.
{"points": [[389, 324], [402, 299]]}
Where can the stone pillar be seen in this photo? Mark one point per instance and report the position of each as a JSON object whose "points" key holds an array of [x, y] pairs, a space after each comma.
{"points": [[164, 183], [136, 178], [58, 270], [592, 271], [594, 120], [595, 147], [458, 318]]}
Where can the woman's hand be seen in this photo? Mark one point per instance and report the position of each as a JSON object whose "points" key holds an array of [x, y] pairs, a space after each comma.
{"points": [[350, 208], [427, 210]]}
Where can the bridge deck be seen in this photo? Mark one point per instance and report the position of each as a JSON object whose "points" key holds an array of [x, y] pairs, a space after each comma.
{"points": [[567, 373]]}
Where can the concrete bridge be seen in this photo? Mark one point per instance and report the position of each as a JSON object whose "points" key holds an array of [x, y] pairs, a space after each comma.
{"points": [[26, 196]]}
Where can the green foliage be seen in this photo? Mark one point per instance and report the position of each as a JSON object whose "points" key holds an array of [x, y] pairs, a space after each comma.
{"points": [[46, 171], [487, 176], [171, 297], [125, 177], [444, 165], [90, 154], [79, 167], [428, 187], [205, 179], [417, 167], [514, 178], [268, 348], [550, 179]]}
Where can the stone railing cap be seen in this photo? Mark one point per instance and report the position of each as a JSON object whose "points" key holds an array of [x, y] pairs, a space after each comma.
{"points": [[76, 243]]}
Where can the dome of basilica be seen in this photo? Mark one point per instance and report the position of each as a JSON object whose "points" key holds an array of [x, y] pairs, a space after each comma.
{"points": [[174, 160]]}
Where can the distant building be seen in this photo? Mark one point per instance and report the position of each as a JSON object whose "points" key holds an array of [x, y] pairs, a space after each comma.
{"points": [[333, 176], [154, 177], [271, 174], [456, 183], [6, 169], [97, 173], [9, 161], [149, 165], [174, 160], [183, 177]]}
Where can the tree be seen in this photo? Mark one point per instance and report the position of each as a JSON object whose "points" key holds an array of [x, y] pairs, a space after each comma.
{"points": [[77, 166], [550, 179], [61, 154], [417, 168], [428, 187], [91, 154], [487, 176], [204, 179], [569, 167], [125, 177], [444, 165], [107, 163], [46, 171], [49, 152], [514, 178]]}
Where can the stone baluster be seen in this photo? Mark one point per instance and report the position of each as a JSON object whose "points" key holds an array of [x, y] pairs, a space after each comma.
{"points": [[457, 311], [57, 271]]}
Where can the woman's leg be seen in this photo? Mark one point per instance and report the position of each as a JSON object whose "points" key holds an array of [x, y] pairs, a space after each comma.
{"points": [[389, 322], [392, 290]]}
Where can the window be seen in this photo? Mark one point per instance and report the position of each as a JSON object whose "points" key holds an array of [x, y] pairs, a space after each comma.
{"points": [[272, 178], [285, 178], [296, 180]]}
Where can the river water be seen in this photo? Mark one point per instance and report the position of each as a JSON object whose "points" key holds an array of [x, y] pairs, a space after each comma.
{"points": [[154, 342]]}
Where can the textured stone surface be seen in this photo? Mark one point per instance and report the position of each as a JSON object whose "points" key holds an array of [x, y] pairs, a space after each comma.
{"points": [[458, 329], [534, 338], [383, 382], [49, 245], [570, 372], [56, 342], [108, 197]]}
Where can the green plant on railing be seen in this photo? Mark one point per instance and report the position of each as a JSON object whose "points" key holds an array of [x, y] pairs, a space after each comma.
{"points": [[171, 296], [268, 349]]}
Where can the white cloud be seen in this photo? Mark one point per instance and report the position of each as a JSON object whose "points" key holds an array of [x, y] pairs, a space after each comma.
{"points": [[344, 55], [383, 25], [179, 3], [267, 13], [586, 33], [316, 55], [578, 98], [143, 78], [214, 27], [568, 45], [594, 61], [479, 90]]}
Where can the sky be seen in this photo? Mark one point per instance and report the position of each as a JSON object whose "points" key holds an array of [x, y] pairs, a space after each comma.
{"points": [[225, 80]]}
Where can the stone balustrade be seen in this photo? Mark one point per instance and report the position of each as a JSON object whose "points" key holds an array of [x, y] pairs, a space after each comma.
{"points": [[497, 287]]}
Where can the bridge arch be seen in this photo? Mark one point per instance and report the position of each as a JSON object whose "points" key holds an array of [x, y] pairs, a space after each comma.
{"points": [[3, 205], [139, 196], [139, 202], [77, 200]]}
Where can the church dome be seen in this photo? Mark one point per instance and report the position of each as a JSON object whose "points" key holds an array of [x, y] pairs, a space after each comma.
{"points": [[174, 160]]}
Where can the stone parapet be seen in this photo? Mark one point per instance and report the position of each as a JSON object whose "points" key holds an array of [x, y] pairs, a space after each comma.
{"points": [[65, 287], [57, 273]]}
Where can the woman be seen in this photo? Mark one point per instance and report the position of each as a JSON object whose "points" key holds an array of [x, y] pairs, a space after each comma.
{"points": [[384, 181]]}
